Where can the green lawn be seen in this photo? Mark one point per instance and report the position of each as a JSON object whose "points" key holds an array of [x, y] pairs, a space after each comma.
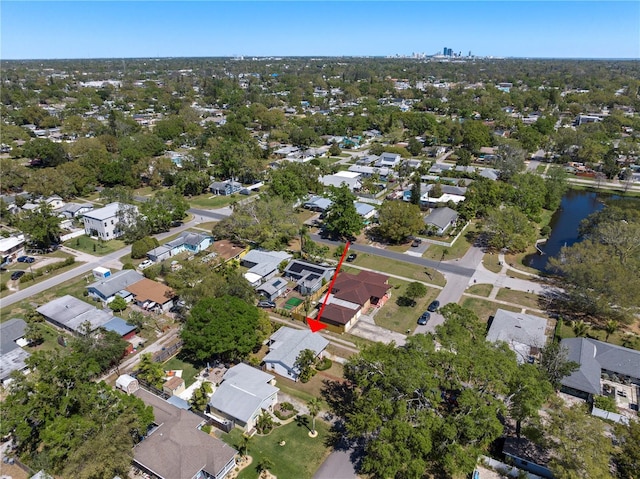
{"points": [[484, 308], [39, 279], [455, 251], [400, 268], [541, 168], [189, 371], [95, 247], [527, 300], [208, 200], [299, 458], [491, 262], [480, 289], [401, 318], [50, 342]]}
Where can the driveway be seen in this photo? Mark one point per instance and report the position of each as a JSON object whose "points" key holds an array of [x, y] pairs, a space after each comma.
{"points": [[367, 329]]}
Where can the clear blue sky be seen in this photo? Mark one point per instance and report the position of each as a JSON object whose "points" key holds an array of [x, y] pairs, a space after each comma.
{"points": [[101, 29]]}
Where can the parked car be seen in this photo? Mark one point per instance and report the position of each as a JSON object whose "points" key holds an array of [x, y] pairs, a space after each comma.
{"points": [[416, 242], [266, 304], [26, 259], [351, 257], [17, 275], [422, 320], [434, 306], [145, 264]]}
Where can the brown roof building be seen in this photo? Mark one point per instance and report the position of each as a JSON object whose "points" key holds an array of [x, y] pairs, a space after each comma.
{"points": [[177, 448], [351, 295], [147, 291]]}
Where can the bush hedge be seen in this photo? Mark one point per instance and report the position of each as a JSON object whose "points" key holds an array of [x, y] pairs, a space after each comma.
{"points": [[52, 267], [324, 364]]}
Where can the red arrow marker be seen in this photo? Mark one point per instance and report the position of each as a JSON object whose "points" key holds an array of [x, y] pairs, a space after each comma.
{"points": [[315, 324]]}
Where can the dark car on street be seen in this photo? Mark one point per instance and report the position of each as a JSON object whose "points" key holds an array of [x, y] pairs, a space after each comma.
{"points": [[17, 275], [422, 320], [434, 306]]}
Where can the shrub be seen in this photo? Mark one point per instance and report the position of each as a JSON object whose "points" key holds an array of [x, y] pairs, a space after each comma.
{"points": [[287, 406], [206, 429], [52, 267], [140, 248], [607, 403], [545, 230], [3, 286], [118, 304], [128, 265], [324, 364]]}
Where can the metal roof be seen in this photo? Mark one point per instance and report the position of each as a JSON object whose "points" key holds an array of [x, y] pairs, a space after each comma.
{"points": [[72, 313], [110, 285], [107, 212], [10, 331], [287, 343]]}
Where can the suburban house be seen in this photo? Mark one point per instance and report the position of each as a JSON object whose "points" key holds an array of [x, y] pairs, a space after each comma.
{"points": [[272, 288], [9, 247], [104, 222], [525, 334], [132, 286], [151, 295], [440, 220], [243, 394], [285, 345], [120, 327], [106, 289], [455, 194], [351, 296], [54, 202], [308, 276], [365, 210], [71, 314], [262, 264], [75, 210], [318, 203], [187, 241], [225, 188], [388, 160], [366, 171], [176, 448], [599, 360], [12, 356], [348, 178]]}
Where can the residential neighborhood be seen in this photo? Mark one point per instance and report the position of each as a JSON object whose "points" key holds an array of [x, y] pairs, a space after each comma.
{"points": [[219, 268]]}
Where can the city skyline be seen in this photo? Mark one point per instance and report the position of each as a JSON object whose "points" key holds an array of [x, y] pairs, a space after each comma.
{"points": [[536, 29]]}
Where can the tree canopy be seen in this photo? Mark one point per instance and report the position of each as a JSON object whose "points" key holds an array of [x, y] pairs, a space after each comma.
{"points": [[225, 327], [417, 409], [398, 220], [341, 218]]}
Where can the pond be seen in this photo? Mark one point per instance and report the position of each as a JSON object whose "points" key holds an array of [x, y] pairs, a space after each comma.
{"points": [[576, 205]]}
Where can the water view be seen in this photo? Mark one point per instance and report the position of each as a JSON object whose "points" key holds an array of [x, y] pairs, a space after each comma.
{"points": [[576, 205]]}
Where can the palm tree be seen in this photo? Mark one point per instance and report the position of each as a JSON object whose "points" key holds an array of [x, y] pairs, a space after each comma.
{"points": [[610, 327], [314, 409], [243, 447], [264, 465], [580, 328]]}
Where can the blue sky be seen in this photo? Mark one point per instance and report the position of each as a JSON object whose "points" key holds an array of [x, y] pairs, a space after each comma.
{"points": [[101, 29]]}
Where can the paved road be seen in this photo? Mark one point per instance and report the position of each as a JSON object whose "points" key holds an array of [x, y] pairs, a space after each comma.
{"points": [[338, 465], [443, 267]]}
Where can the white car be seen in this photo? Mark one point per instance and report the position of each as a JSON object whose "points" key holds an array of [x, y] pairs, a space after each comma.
{"points": [[145, 264]]}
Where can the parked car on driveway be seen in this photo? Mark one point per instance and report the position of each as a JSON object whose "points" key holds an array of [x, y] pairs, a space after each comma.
{"points": [[416, 242], [434, 306], [17, 275], [145, 264], [266, 304], [422, 320], [26, 259]]}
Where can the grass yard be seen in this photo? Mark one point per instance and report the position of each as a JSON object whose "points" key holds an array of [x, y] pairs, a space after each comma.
{"points": [[480, 289], [445, 253], [527, 300], [300, 456], [514, 274], [540, 169], [208, 200], [400, 318], [491, 262], [39, 279], [399, 268], [189, 371], [484, 309], [313, 387], [517, 260], [620, 338], [95, 247]]}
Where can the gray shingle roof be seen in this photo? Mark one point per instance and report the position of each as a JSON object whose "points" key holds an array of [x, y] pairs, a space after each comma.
{"points": [[441, 217], [520, 331], [110, 285], [9, 332], [287, 343], [72, 313], [594, 356], [264, 262], [177, 449], [242, 391], [14, 360]]}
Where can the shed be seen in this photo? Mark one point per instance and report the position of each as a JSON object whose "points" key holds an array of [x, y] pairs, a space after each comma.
{"points": [[127, 383], [173, 386]]}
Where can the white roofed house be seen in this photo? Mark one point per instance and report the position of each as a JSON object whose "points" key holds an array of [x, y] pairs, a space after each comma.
{"points": [[74, 315], [525, 334], [285, 345], [104, 223], [262, 264], [456, 194], [349, 178], [243, 394], [388, 159]]}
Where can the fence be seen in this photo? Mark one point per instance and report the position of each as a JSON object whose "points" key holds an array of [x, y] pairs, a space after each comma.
{"points": [[443, 243], [73, 234], [168, 352], [299, 313], [506, 469]]}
